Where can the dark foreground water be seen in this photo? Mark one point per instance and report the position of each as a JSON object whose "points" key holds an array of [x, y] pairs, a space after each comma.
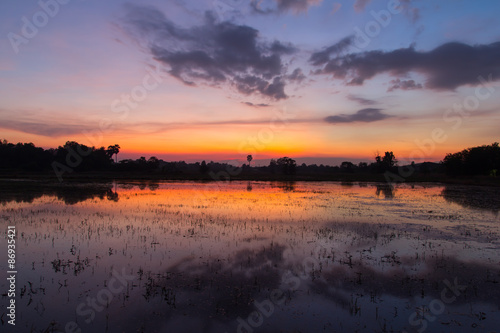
{"points": [[251, 257]]}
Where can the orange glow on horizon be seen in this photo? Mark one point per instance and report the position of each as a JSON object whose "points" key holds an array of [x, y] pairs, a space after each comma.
{"points": [[228, 143]]}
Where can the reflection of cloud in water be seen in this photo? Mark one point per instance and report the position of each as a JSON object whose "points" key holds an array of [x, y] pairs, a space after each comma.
{"points": [[485, 198], [221, 290], [408, 278]]}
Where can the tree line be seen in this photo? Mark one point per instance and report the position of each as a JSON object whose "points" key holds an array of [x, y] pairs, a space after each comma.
{"points": [[73, 156], [28, 157], [481, 160]]}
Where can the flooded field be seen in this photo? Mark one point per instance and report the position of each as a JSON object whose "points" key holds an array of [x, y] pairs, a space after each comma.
{"points": [[252, 257]]}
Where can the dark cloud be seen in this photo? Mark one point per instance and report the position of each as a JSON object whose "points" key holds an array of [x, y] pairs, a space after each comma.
{"points": [[260, 105], [361, 100], [447, 67], [213, 53], [297, 75], [324, 56], [281, 6], [250, 84], [282, 49], [404, 85], [365, 115], [296, 5]]}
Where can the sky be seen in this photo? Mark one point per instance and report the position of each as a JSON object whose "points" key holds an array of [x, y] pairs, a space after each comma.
{"points": [[317, 80]]}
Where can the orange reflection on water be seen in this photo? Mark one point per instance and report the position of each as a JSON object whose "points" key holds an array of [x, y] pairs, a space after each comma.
{"points": [[275, 201]]}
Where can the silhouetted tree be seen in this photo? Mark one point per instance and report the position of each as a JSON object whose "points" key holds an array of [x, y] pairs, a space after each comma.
{"points": [[142, 162], [23, 156], [347, 166], [204, 168], [389, 159], [481, 160], [153, 163], [273, 166], [362, 165], [386, 163], [249, 159], [287, 165], [114, 150]]}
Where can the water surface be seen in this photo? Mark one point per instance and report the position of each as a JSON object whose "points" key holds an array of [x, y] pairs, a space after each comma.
{"points": [[254, 257]]}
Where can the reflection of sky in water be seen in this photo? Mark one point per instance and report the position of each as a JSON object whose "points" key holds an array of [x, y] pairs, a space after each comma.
{"points": [[202, 253]]}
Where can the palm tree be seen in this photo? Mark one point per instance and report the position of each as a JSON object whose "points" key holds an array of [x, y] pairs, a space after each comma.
{"points": [[249, 159], [114, 150]]}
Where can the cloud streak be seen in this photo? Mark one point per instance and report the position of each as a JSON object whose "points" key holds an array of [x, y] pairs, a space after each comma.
{"points": [[260, 105], [64, 129], [361, 100], [44, 129], [213, 53], [368, 115]]}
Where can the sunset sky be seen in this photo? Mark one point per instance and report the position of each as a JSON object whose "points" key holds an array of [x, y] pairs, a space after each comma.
{"points": [[217, 80]]}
